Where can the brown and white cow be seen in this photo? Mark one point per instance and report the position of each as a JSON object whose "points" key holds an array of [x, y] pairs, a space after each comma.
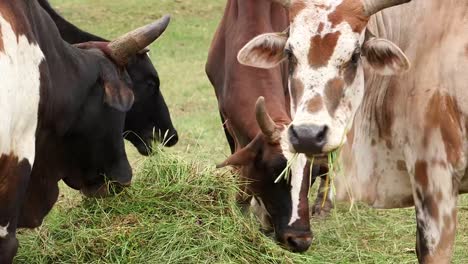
{"points": [[407, 145], [62, 114], [256, 128]]}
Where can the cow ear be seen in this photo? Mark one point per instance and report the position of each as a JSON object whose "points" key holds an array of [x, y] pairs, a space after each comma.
{"points": [[243, 156], [385, 57], [117, 94], [264, 51]]}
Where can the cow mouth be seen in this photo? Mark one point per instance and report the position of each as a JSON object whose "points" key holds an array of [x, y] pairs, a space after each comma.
{"points": [[145, 148], [102, 190], [167, 139], [144, 141], [317, 157], [292, 239], [295, 241], [110, 181]]}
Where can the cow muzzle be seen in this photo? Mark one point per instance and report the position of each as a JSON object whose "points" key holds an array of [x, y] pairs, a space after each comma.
{"points": [[296, 241], [103, 190], [308, 139], [117, 178]]}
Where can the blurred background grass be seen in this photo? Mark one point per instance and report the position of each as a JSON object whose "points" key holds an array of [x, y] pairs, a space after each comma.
{"points": [[180, 209]]}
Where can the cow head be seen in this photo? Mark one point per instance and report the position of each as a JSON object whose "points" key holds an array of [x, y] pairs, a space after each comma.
{"points": [[327, 46], [149, 118], [95, 139], [80, 141], [282, 206]]}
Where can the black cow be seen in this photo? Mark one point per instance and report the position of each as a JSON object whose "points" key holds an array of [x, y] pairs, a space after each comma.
{"points": [[62, 114], [149, 118]]}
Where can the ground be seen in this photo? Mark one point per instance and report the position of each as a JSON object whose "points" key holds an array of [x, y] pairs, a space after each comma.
{"points": [[180, 209]]}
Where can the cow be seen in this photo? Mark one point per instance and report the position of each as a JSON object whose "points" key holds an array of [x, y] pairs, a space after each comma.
{"points": [[63, 110], [149, 118], [350, 68], [254, 108]]}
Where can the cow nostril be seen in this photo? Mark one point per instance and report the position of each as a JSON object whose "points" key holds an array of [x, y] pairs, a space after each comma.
{"points": [[293, 131], [293, 135], [298, 244], [292, 243], [172, 140], [308, 139], [321, 135]]}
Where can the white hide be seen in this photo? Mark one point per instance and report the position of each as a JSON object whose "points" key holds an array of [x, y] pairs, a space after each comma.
{"points": [[4, 231], [19, 93]]}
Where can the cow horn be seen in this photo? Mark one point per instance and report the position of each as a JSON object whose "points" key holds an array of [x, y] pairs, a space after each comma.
{"points": [[266, 124], [131, 43], [285, 3], [373, 6]]}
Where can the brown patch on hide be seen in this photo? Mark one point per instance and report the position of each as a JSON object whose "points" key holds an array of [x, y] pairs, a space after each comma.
{"points": [[322, 48], [315, 104], [351, 12], [333, 93]]}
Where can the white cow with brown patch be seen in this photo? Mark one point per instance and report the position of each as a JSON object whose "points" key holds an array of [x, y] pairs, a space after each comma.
{"points": [[407, 145]]}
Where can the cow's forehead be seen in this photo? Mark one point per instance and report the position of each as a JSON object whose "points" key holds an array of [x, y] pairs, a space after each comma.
{"points": [[324, 31], [323, 16]]}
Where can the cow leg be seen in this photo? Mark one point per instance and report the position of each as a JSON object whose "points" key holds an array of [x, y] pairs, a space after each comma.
{"points": [[14, 176], [323, 203], [435, 198], [41, 195]]}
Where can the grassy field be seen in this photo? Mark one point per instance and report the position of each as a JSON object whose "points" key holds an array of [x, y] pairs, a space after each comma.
{"points": [[180, 209]]}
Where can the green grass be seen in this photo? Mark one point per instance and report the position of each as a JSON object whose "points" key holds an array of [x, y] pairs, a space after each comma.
{"points": [[180, 209], [177, 212]]}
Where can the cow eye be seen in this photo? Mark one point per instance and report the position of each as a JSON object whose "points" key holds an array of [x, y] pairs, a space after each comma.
{"points": [[355, 58], [289, 53], [291, 59], [151, 83]]}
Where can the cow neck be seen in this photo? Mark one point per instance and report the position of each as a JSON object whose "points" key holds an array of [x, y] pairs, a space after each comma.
{"points": [[256, 17], [69, 32], [378, 104], [242, 21], [72, 70]]}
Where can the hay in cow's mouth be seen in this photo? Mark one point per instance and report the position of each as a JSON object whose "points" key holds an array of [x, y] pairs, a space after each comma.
{"points": [[330, 160], [286, 172]]}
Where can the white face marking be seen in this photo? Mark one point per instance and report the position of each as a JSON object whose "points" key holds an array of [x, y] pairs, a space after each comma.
{"points": [[315, 79], [4, 231], [297, 176], [19, 93]]}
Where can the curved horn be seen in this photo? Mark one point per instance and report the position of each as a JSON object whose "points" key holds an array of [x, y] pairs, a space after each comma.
{"points": [[131, 43], [266, 124], [285, 3], [373, 6]]}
